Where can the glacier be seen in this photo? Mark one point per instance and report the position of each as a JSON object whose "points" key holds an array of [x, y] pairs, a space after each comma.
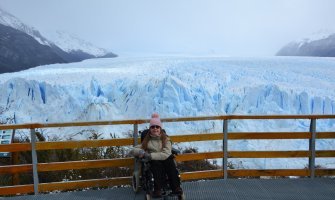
{"points": [[178, 86]]}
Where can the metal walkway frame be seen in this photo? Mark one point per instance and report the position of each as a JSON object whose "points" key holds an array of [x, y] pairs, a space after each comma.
{"points": [[228, 189]]}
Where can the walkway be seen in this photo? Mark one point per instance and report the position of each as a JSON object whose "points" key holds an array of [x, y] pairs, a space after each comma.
{"points": [[231, 189]]}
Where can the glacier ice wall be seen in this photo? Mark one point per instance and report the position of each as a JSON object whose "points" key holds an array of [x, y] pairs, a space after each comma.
{"points": [[123, 88], [133, 88]]}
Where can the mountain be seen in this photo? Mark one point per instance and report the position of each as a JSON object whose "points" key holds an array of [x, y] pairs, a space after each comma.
{"points": [[72, 43], [8, 19], [18, 47], [20, 51], [133, 88], [323, 46]]}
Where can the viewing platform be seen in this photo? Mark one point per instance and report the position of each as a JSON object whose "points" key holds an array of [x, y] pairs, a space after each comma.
{"points": [[231, 189], [21, 180]]}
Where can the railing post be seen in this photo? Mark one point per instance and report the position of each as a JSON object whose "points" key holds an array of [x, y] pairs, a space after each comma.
{"points": [[135, 134], [135, 143], [15, 161], [34, 159], [312, 148], [225, 149]]}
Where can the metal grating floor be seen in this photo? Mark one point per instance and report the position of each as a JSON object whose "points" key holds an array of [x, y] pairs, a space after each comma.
{"points": [[231, 189]]}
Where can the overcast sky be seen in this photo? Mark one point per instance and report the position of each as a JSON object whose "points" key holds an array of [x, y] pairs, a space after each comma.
{"points": [[224, 27]]}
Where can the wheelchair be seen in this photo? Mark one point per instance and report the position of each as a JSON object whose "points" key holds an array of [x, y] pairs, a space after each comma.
{"points": [[143, 178]]}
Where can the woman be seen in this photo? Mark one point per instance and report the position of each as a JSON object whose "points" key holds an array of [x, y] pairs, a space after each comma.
{"points": [[156, 146]]}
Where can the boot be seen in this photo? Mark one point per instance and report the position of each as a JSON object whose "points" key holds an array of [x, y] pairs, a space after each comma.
{"points": [[157, 194], [178, 191]]}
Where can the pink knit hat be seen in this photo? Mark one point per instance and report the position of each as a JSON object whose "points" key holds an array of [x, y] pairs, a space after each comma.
{"points": [[155, 120]]}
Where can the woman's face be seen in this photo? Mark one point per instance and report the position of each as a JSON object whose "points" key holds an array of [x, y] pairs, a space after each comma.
{"points": [[155, 130]]}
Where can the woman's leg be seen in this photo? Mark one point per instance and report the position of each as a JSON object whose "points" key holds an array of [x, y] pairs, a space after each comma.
{"points": [[157, 169], [171, 171]]}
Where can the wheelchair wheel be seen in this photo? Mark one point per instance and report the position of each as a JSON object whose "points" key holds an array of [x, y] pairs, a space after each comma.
{"points": [[136, 182], [181, 197], [147, 196]]}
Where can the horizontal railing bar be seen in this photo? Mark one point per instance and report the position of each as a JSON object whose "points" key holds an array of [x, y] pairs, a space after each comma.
{"points": [[325, 135], [279, 117], [70, 124], [241, 117], [325, 172], [128, 162], [45, 187], [252, 154], [12, 169], [268, 135], [196, 137], [279, 154], [268, 154], [325, 153], [199, 156], [250, 135], [267, 172], [279, 172], [142, 121], [85, 164], [252, 173], [201, 175], [56, 166], [17, 189], [15, 147], [83, 144]]}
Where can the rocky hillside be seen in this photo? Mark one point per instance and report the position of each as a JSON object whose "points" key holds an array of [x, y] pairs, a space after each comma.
{"points": [[324, 47], [23, 47], [19, 51]]}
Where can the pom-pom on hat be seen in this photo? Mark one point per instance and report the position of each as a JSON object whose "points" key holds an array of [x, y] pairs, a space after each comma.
{"points": [[155, 120]]}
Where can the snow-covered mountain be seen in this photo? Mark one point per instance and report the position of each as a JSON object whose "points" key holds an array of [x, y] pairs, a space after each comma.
{"points": [[23, 46], [66, 41], [133, 88], [321, 44], [21, 51], [72, 43], [8, 19]]}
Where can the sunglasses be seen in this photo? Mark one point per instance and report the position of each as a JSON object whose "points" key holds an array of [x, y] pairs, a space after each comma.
{"points": [[155, 126]]}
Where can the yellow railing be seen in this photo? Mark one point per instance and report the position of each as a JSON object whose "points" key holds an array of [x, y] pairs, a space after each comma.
{"points": [[312, 135]]}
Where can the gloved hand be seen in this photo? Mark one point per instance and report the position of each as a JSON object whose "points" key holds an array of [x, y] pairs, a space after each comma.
{"points": [[141, 153], [144, 155], [147, 156]]}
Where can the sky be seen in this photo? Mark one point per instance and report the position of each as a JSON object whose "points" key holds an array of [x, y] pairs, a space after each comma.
{"points": [[200, 27]]}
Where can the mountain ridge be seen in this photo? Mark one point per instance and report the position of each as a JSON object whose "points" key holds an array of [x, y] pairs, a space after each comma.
{"points": [[319, 47], [16, 58], [20, 51]]}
